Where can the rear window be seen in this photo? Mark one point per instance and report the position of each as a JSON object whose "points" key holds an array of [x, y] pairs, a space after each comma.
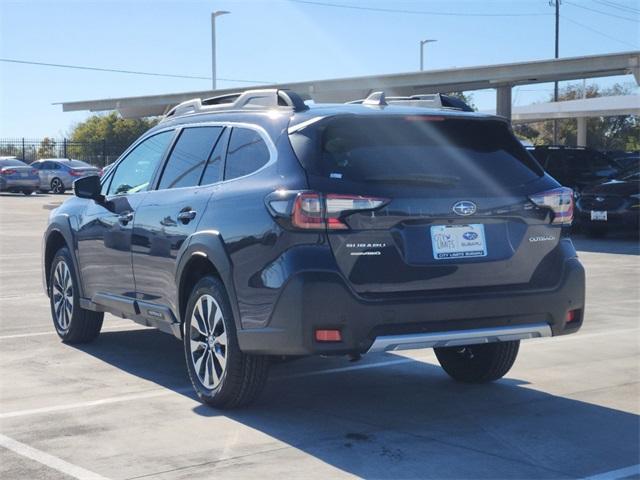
{"points": [[12, 162], [77, 164], [416, 149]]}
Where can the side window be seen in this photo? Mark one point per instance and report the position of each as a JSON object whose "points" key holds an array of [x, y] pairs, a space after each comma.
{"points": [[187, 160], [213, 171], [134, 173], [247, 152]]}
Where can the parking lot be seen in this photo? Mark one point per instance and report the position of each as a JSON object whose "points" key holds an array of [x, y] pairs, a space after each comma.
{"points": [[122, 407]]}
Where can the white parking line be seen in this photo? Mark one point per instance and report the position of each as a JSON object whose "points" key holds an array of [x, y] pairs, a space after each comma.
{"points": [[52, 332], [95, 403], [48, 460], [617, 474]]}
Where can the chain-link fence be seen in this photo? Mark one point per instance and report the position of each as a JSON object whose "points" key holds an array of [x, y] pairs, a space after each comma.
{"points": [[98, 154]]}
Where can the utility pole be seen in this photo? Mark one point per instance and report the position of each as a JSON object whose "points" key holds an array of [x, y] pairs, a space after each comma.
{"points": [[422, 44], [556, 4], [213, 45]]}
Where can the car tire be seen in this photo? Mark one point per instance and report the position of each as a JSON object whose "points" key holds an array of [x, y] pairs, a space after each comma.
{"points": [[221, 374], [72, 323], [57, 186], [481, 363]]}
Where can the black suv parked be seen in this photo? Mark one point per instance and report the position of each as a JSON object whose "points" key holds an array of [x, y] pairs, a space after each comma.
{"points": [[254, 225], [576, 167]]}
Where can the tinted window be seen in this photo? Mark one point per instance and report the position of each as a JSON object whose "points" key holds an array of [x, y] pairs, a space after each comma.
{"points": [[422, 150], [77, 164], [134, 173], [12, 162], [188, 157], [213, 171], [247, 152]]}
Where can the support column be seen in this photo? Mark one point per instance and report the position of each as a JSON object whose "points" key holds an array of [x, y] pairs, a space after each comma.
{"points": [[582, 132], [503, 101]]}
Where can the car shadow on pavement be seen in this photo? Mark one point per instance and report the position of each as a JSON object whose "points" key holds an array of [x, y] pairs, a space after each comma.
{"points": [[406, 420]]}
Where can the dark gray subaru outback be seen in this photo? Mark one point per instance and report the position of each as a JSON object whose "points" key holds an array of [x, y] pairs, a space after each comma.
{"points": [[255, 225]]}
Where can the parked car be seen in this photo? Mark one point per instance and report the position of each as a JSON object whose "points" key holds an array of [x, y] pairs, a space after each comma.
{"points": [[629, 161], [58, 174], [258, 226], [17, 176], [576, 167], [614, 204]]}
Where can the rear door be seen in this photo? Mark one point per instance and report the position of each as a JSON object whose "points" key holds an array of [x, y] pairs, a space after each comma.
{"points": [[171, 213], [456, 201]]}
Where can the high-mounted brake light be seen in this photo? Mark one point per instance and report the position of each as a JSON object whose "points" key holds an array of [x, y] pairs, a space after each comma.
{"points": [[317, 212], [559, 201]]}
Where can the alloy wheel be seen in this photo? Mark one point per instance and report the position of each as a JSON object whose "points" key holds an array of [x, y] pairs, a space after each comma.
{"points": [[62, 296], [208, 341], [56, 185]]}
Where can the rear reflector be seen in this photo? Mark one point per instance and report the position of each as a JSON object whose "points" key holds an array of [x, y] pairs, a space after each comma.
{"points": [[559, 201], [313, 210], [328, 336], [572, 316]]}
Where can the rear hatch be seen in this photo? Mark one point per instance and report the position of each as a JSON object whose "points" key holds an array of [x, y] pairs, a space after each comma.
{"points": [[428, 202]]}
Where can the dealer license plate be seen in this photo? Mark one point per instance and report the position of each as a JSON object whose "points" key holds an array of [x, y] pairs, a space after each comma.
{"points": [[458, 241]]}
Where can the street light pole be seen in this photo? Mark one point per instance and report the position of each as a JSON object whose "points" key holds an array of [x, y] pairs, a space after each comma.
{"points": [[422, 43], [213, 45]]}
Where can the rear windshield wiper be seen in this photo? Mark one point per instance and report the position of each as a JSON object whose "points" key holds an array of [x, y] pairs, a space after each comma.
{"points": [[436, 180]]}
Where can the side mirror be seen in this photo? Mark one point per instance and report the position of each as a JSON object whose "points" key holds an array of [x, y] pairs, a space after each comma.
{"points": [[88, 187]]}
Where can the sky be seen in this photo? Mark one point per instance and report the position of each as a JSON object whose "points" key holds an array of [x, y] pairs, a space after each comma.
{"points": [[277, 41]]}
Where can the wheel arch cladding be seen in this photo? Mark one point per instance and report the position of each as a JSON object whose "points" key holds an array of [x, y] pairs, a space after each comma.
{"points": [[55, 241], [205, 255]]}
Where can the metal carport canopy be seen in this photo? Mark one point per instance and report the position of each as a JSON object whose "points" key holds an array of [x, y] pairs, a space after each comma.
{"points": [[447, 80]]}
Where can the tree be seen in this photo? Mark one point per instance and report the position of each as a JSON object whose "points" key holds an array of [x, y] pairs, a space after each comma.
{"points": [[465, 97], [111, 128], [102, 138], [603, 133], [47, 148]]}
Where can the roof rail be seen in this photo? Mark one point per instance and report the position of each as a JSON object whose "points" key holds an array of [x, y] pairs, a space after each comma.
{"points": [[430, 100], [250, 100]]}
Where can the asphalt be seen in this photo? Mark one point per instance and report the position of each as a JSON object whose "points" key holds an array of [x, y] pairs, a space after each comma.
{"points": [[122, 407]]}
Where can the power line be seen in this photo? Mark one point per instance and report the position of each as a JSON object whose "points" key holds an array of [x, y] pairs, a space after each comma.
{"points": [[130, 72], [415, 12], [618, 6], [599, 32], [601, 12]]}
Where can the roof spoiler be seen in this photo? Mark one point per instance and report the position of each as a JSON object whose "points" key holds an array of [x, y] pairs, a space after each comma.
{"points": [[249, 100]]}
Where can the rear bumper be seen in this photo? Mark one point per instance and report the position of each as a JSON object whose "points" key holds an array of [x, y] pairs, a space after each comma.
{"points": [[321, 300], [19, 184]]}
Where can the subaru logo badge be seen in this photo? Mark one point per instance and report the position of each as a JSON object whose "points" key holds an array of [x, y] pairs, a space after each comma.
{"points": [[600, 199], [464, 208], [469, 235]]}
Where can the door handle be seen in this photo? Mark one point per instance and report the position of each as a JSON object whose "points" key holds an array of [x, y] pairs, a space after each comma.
{"points": [[185, 216], [125, 218]]}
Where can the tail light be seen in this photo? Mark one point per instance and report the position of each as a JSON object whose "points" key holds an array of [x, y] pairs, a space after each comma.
{"points": [[316, 211], [75, 173], [7, 171], [34, 171], [559, 201]]}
